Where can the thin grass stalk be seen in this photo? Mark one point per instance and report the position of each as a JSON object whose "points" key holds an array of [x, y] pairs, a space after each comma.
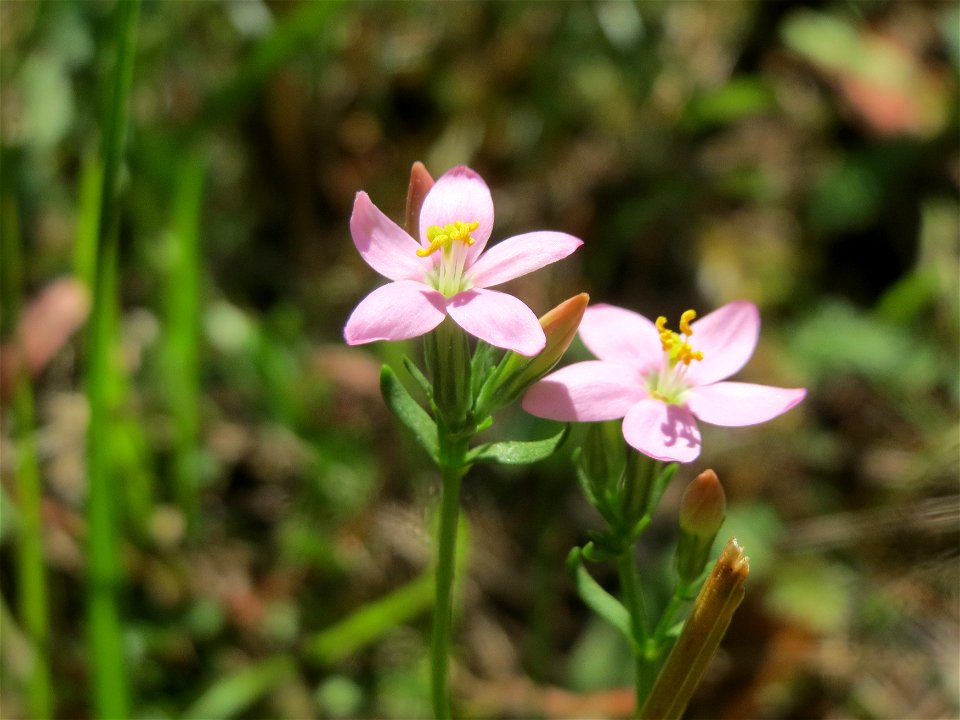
{"points": [[90, 193], [110, 689], [31, 573], [110, 697], [183, 334], [32, 580]]}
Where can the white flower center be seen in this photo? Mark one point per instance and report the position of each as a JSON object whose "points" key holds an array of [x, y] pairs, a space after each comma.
{"points": [[452, 241], [668, 383]]}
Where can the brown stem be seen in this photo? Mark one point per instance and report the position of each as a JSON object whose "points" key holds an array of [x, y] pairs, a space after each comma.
{"points": [[701, 636]]}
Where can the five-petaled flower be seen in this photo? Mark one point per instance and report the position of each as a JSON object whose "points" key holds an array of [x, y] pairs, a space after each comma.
{"points": [[659, 381], [447, 272]]}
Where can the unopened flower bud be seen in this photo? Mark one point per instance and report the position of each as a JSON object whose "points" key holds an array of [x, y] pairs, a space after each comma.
{"points": [[420, 184], [516, 372], [702, 510]]}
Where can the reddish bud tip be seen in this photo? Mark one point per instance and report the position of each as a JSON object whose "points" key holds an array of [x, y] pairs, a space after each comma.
{"points": [[420, 184], [703, 505]]}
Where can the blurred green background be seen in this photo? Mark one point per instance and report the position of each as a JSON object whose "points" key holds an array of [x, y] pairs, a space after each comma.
{"points": [[271, 520]]}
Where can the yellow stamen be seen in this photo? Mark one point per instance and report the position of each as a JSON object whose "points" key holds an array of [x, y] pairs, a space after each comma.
{"points": [[443, 237], [674, 344]]}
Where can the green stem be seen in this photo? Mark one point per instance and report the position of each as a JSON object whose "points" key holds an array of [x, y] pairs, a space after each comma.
{"points": [[681, 594], [110, 691], [633, 600], [452, 453], [32, 575]]}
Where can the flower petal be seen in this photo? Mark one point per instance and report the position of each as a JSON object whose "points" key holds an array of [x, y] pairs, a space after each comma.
{"points": [[618, 335], [396, 311], [459, 194], [727, 338], [735, 404], [384, 244], [662, 431], [499, 319], [585, 392], [520, 255]]}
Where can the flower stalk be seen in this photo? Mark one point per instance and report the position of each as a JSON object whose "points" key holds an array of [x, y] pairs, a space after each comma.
{"points": [[441, 272], [452, 469]]}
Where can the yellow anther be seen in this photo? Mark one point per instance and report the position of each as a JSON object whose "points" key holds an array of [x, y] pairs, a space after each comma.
{"points": [[687, 354], [443, 237], [667, 336], [674, 344]]}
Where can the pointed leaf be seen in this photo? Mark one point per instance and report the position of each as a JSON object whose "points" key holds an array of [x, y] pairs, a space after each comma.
{"points": [[515, 452], [399, 400], [418, 375], [596, 598]]}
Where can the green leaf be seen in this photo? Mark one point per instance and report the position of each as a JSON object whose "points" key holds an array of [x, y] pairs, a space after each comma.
{"points": [[417, 375], [586, 486], [233, 694], [596, 598], [372, 621], [515, 452], [408, 411]]}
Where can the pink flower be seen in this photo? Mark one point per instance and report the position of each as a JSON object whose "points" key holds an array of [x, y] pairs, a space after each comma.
{"points": [[659, 381], [447, 272]]}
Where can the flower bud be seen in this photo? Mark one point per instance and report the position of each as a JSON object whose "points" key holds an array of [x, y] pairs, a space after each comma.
{"points": [[420, 184], [702, 510], [516, 372]]}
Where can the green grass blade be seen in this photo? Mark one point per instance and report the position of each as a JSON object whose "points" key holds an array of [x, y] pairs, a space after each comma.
{"points": [[371, 621], [31, 573], [182, 337], [234, 694], [110, 692], [104, 572], [88, 220], [375, 619]]}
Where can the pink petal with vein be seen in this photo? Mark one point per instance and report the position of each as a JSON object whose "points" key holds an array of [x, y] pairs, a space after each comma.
{"points": [[618, 335], [520, 255], [383, 244], [397, 311], [585, 392], [499, 319], [727, 338], [664, 432], [459, 194], [734, 404]]}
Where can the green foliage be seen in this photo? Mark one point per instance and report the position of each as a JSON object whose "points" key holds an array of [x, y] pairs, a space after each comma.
{"points": [[799, 158], [597, 599], [407, 410], [517, 452]]}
